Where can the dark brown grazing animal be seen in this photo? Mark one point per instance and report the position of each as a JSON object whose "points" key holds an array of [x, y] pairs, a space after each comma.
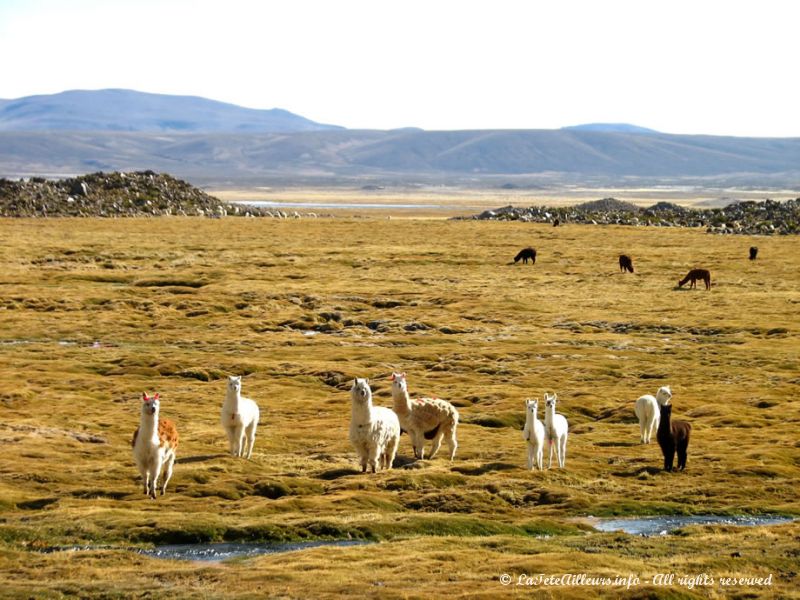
{"points": [[753, 252], [673, 436], [556, 223], [525, 254], [625, 263], [695, 274]]}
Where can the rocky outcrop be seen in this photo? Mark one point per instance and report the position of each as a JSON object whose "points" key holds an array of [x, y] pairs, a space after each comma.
{"points": [[138, 194], [767, 217]]}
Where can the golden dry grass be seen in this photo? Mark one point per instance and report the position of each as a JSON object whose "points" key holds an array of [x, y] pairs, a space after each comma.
{"points": [[176, 304]]}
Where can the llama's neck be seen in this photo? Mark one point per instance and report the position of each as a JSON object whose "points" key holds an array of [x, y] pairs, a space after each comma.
{"points": [[232, 401], [362, 412], [148, 426], [402, 401], [549, 415], [532, 418], [664, 425]]}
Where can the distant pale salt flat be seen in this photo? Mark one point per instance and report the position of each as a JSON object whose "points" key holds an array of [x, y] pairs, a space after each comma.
{"points": [[318, 205]]}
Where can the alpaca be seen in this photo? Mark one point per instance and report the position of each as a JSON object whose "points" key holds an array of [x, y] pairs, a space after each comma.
{"points": [[648, 412], [695, 274], [424, 418], [673, 436], [239, 419], [753, 252], [534, 434], [625, 263], [374, 430], [154, 444], [555, 429], [525, 254]]}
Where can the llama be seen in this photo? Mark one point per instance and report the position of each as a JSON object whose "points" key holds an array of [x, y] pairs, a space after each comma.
{"points": [[424, 418], [154, 444], [555, 429], [525, 254], [648, 412], [625, 263], [695, 274], [673, 436], [374, 430], [533, 434], [753, 252], [239, 419]]}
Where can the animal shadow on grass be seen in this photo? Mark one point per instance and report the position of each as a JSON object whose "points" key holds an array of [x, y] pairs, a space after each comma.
{"points": [[487, 468], [332, 474], [638, 472], [201, 458], [614, 444]]}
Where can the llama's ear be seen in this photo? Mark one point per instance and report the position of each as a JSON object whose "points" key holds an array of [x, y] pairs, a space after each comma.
{"points": [[144, 397], [155, 396], [393, 377]]}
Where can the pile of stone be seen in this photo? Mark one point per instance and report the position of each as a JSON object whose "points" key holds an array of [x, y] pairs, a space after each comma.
{"points": [[767, 217], [137, 194]]}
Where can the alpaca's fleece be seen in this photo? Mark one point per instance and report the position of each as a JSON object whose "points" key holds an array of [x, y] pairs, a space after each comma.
{"points": [[239, 419], [154, 444], [424, 418], [374, 430], [649, 415]]}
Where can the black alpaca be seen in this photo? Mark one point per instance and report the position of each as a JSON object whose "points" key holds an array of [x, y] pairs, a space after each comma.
{"points": [[625, 263], [753, 252], [673, 436], [525, 254]]}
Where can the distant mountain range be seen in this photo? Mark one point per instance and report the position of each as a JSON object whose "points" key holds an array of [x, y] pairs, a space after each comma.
{"points": [[215, 143], [128, 110]]}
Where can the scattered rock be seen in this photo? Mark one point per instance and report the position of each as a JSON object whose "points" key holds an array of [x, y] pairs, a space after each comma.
{"points": [[768, 217]]}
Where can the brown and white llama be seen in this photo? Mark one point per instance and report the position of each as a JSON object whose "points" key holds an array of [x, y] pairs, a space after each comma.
{"points": [[154, 443], [424, 418], [695, 274]]}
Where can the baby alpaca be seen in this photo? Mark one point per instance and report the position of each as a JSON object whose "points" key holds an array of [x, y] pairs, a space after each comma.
{"points": [[673, 436], [239, 419], [648, 412], [154, 444], [533, 434], [555, 428], [424, 418], [374, 430]]}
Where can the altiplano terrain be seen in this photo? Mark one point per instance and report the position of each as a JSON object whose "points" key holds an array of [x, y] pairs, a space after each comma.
{"points": [[95, 311]]}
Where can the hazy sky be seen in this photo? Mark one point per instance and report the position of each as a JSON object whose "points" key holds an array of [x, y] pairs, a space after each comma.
{"points": [[679, 66]]}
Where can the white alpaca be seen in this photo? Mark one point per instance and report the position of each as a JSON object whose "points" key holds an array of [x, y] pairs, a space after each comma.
{"points": [[374, 430], [648, 411], [555, 428], [424, 418], [154, 444], [239, 419], [533, 434]]}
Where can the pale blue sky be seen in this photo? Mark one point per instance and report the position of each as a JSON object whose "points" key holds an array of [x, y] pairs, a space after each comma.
{"points": [[679, 66]]}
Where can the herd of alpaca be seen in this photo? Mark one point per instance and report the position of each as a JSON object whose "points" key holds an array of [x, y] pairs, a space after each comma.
{"points": [[375, 430], [626, 266]]}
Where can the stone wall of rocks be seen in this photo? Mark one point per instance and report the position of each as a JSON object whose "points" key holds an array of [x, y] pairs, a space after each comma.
{"points": [[767, 217], [137, 194]]}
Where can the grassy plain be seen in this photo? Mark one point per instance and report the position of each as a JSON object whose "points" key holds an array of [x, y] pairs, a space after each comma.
{"points": [[92, 312]]}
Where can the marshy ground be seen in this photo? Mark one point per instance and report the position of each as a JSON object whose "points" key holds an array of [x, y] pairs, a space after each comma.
{"points": [[93, 312]]}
